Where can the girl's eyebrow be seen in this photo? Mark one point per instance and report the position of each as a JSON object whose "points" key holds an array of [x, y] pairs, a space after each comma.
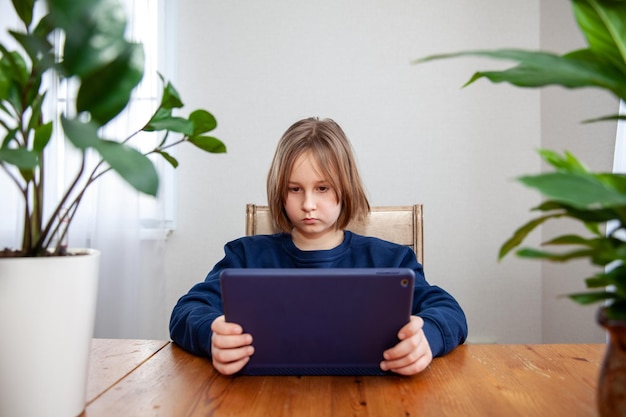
{"points": [[324, 181], [317, 183]]}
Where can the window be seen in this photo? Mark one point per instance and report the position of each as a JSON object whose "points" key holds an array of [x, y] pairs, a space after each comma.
{"points": [[146, 25]]}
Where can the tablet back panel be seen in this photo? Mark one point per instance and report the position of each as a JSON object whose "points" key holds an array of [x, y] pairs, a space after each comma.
{"points": [[318, 321]]}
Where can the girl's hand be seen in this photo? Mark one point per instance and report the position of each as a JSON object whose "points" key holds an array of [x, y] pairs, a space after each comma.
{"points": [[412, 354], [230, 347]]}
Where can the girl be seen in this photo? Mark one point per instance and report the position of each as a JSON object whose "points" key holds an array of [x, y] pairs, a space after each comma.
{"points": [[314, 190]]}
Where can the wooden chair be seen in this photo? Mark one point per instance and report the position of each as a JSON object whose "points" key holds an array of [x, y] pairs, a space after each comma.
{"points": [[398, 224]]}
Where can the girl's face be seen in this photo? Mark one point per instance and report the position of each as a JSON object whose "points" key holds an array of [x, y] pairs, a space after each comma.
{"points": [[312, 206]]}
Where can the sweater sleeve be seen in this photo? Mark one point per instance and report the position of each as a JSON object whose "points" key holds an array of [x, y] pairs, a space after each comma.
{"points": [[191, 319], [445, 324]]}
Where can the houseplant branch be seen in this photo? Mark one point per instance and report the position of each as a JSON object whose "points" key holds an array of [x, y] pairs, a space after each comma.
{"points": [[571, 190], [106, 68]]}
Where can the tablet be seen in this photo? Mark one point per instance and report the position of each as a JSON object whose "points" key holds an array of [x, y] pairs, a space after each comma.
{"points": [[318, 321]]}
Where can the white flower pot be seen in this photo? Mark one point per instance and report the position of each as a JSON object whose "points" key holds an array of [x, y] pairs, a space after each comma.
{"points": [[47, 311]]}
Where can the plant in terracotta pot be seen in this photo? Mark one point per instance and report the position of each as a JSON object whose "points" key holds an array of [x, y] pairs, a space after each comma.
{"points": [[570, 190], [104, 67]]}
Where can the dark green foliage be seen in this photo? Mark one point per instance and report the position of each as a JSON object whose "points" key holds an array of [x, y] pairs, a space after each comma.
{"points": [[106, 68]]}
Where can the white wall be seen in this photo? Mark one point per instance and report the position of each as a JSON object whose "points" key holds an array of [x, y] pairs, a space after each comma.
{"points": [[261, 65]]}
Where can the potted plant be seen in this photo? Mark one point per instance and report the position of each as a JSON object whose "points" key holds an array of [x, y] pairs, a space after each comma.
{"points": [[47, 297], [571, 191]]}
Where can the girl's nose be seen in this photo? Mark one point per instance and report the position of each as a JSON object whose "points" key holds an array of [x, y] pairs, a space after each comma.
{"points": [[308, 204]]}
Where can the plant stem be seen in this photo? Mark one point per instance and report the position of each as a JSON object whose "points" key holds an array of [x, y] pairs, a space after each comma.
{"points": [[162, 148], [52, 227]]}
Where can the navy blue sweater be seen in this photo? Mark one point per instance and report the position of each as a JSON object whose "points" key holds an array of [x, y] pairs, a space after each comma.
{"points": [[445, 325]]}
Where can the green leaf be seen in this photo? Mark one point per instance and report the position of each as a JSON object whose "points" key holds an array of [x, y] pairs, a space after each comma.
{"points": [[555, 257], [22, 87], [579, 190], [594, 227], [163, 139], [82, 135], [43, 30], [9, 137], [159, 114], [105, 92], [36, 107], [38, 48], [208, 144], [66, 13], [606, 118], [15, 85], [130, 164], [558, 70], [19, 157], [539, 69], [605, 279], [598, 281], [613, 181], [570, 240], [42, 136], [163, 120], [567, 163], [203, 122], [170, 98], [27, 174], [521, 233], [604, 27], [585, 215], [94, 33], [134, 167], [5, 83], [24, 9], [592, 297], [14, 67], [169, 158]]}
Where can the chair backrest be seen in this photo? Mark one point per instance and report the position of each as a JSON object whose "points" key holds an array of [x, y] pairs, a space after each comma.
{"points": [[398, 224]]}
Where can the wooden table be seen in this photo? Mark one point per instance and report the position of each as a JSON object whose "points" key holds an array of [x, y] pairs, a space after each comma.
{"points": [[156, 378]]}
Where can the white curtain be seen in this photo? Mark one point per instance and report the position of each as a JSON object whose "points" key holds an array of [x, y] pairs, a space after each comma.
{"points": [[130, 229], [131, 296]]}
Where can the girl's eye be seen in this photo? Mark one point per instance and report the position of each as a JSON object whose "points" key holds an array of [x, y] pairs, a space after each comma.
{"points": [[323, 188], [293, 189]]}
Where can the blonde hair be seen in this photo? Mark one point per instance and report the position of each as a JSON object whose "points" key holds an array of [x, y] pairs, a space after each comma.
{"points": [[329, 146]]}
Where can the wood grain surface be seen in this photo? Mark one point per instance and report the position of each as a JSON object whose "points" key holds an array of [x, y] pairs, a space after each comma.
{"points": [[473, 380]]}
